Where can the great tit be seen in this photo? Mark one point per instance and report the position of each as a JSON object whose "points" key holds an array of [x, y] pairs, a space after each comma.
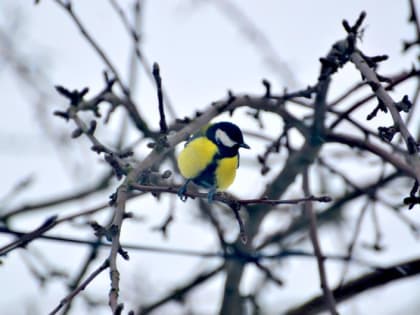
{"points": [[210, 158]]}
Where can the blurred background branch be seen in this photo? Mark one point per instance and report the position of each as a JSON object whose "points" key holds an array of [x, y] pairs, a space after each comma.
{"points": [[333, 170]]}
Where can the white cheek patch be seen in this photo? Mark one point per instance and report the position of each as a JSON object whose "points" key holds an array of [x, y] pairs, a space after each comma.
{"points": [[224, 138]]}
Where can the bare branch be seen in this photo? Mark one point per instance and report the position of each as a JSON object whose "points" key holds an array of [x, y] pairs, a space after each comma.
{"points": [[80, 288], [317, 248], [362, 284]]}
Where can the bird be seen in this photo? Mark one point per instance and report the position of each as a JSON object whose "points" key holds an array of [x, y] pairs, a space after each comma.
{"points": [[210, 158]]}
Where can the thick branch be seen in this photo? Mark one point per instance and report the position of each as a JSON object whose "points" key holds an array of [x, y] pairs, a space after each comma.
{"points": [[359, 285]]}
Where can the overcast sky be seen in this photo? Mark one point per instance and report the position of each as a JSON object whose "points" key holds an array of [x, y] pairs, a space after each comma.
{"points": [[202, 53]]}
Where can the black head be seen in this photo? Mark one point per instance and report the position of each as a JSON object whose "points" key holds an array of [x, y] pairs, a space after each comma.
{"points": [[228, 138]]}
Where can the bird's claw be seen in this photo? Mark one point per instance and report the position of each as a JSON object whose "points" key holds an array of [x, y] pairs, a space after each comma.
{"points": [[182, 192], [210, 195]]}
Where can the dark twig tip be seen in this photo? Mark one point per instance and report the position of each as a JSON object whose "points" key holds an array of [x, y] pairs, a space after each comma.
{"points": [[404, 105], [381, 106], [355, 28], [92, 127], [379, 58], [231, 97], [267, 86], [184, 120], [382, 78], [156, 75], [50, 220], [265, 169], [99, 230], [123, 253], [156, 70], [63, 91], [387, 133], [324, 199], [346, 26], [61, 114], [119, 309], [198, 113], [374, 85], [119, 169], [359, 22], [411, 201], [98, 148], [112, 199], [84, 92], [76, 133], [125, 154], [68, 6], [109, 83], [75, 97], [415, 189]]}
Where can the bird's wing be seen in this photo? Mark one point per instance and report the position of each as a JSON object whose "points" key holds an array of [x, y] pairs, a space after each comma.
{"points": [[197, 155], [198, 134]]}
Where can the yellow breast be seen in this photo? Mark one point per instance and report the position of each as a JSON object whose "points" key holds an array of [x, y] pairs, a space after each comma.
{"points": [[226, 171], [196, 156]]}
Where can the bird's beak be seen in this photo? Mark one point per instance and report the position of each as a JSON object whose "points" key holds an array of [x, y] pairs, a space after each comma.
{"points": [[245, 146]]}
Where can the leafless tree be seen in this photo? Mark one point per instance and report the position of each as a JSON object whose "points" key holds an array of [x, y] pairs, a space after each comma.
{"points": [[302, 167]]}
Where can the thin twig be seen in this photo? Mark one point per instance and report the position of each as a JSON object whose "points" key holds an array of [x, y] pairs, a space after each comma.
{"points": [[397, 161], [356, 234], [416, 22], [207, 210], [29, 237], [372, 78], [257, 38], [317, 248], [69, 9], [346, 94], [81, 287], [396, 80], [139, 54], [179, 292], [329, 214], [102, 184], [228, 255], [228, 199], [158, 81], [130, 105]]}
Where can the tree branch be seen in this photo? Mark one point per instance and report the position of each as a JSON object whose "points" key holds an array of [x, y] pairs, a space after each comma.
{"points": [[80, 288], [317, 248], [360, 285]]}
